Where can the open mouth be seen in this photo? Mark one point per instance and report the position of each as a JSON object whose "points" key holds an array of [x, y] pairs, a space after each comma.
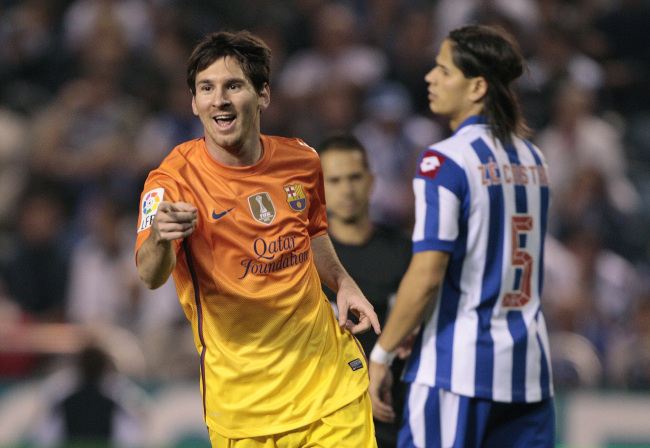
{"points": [[224, 121]]}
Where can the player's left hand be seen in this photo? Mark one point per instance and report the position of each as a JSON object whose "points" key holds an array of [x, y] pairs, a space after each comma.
{"points": [[351, 299], [381, 380]]}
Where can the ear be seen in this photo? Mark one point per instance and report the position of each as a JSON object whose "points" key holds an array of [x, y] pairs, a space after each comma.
{"points": [[478, 89], [264, 97], [194, 108]]}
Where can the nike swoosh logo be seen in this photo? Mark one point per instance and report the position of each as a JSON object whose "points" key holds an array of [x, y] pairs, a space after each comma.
{"points": [[217, 216]]}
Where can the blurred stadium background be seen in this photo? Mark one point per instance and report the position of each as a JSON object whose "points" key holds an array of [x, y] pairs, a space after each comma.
{"points": [[93, 96]]}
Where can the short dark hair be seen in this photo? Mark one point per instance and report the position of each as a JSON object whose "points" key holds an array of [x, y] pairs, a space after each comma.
{"points": [[343, 142], [253, 55], [492, 52]]}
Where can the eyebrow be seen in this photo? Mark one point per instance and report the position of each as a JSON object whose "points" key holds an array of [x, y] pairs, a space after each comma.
{"points": [[226, 81], [441, 65]]}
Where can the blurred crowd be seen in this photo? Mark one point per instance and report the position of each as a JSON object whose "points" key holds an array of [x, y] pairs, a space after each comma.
{"points": [[93, 96]]}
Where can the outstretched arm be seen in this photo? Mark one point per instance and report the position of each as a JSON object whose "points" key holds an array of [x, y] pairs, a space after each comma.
{"points": [[349, 297], [156, 258]]}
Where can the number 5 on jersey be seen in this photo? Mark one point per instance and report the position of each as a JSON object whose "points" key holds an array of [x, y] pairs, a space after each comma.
{"points": [[520, 259]]}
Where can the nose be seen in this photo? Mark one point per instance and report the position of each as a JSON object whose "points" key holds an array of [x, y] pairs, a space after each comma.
{"points": [[346, 187], [430, 77], [220, 98]]}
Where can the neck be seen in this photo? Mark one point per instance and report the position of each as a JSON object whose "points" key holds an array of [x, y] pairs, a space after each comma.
{"points": [[476, 109], [245, 155], [351, 233]]}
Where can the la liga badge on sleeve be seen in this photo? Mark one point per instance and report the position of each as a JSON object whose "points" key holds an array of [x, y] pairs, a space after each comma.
{"points": [[149, 207]]}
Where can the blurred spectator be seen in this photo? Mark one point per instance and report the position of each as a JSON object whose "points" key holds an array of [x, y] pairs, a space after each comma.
{"points": [[630, 363], [555, 63], [32, 66], [578, 141], [451, 14], [166, 128], [130, 18], [13, 164], [561, 295], [339, 59], [412, 54], [609, 290], [394, 137], [619, 42], [99, 290], [376, 256], [338, 55], [15, 365], [93, 406], [82, 138], [35, 265]]}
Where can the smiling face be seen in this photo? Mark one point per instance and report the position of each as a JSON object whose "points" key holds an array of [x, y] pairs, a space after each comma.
{"points": [[451, 94], [229, 108]]}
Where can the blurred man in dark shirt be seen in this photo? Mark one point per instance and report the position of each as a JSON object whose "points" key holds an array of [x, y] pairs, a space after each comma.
{"points": [[376, 256]]}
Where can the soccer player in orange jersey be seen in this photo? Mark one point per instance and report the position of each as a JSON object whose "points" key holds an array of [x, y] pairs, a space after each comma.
{"points": [[239, 219]]}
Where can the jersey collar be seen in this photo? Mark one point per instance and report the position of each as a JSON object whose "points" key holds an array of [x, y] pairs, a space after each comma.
{"points": [[474, 119]]}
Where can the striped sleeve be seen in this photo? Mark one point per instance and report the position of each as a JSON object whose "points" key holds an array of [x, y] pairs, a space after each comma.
{"points": [[440, 185]]}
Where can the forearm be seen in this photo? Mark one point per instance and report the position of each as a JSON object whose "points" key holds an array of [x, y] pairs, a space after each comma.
{"points": [[156, 261], [416, 298], [331, 271], [407, 314]]}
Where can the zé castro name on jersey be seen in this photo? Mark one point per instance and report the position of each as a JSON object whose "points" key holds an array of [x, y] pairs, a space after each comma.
{"points": [[266, 261], [519, 174]]}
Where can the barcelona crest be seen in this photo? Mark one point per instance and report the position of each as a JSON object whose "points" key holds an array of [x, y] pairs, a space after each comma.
{"points": [[296, 197]]}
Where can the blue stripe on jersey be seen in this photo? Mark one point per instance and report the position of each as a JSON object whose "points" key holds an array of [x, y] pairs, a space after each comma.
{"points": [[518, 330], [413, 362], [521, 201], [448, 308], [432, 415], [516, 323], [405, 435], [491, 279], [447, 313]]}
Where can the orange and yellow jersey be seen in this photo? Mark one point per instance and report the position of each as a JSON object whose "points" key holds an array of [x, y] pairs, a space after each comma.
{"points": [[273, 357]]}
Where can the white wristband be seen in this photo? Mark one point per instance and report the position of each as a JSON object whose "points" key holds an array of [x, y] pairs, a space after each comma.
{"points": [[381, 356]]}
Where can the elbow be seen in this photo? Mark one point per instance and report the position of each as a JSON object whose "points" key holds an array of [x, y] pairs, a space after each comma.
{"points": [[149, 280], [150, 284]]}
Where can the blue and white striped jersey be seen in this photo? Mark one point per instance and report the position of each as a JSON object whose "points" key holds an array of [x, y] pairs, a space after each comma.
{"points": [[486, 205]]}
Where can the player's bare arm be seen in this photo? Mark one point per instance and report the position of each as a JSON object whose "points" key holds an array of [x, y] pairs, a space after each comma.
{"points": [[416, 297], [349, 297], [156, 258]]}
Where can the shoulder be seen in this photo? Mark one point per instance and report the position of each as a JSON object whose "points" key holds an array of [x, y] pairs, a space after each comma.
{"points": [[181, 160], [533, 148], [291, 145], [292, 152], [181, 156], [461, 142]]}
